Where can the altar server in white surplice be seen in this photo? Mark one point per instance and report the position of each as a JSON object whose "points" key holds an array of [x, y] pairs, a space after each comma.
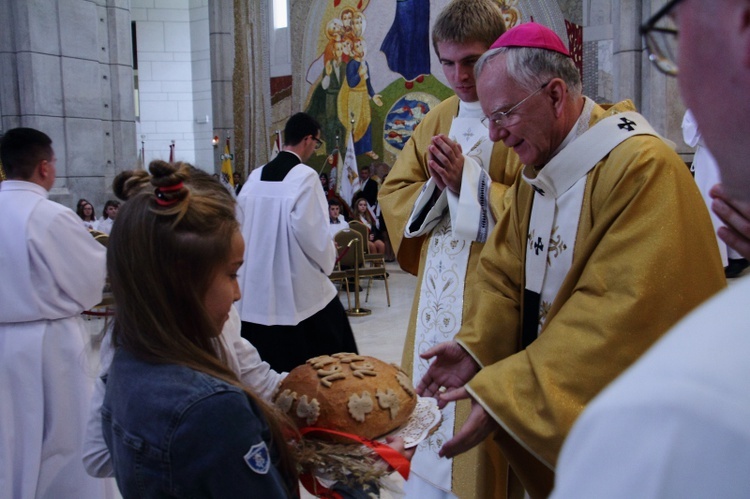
{"points": [[51, 270], [297, 314]]}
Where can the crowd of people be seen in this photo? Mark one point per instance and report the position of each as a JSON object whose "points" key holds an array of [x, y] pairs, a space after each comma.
{"points": [[569, 313], [85, 210], [364, 207]]}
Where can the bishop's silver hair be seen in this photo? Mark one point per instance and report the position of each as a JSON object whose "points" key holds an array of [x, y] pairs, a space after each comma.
{"points": [[531, 67]]}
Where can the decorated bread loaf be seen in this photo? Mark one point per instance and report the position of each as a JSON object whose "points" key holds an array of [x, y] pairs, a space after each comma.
{"points": [[349, 393]]}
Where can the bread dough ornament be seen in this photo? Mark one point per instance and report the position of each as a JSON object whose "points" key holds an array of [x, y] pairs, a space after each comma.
{"points": [[285, 400], [389, 400], [350, 393], [309, 411], [360, 406]]}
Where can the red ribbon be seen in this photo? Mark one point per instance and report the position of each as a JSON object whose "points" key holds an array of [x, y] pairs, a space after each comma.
{"points": [[342, 255], [386, 453], [173, 187], [170, 188]]}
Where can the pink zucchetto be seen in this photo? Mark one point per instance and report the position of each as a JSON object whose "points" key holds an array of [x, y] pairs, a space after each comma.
{"points": [[531, 35]]}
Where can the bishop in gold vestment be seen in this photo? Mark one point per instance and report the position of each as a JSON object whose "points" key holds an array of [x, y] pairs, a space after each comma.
{"points": [[604, 246], [645, 255]]}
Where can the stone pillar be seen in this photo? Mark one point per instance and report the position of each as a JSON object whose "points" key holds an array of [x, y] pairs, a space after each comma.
{"points": [[299, 15], [114, 23], [221, 34], [627, 58], [662, 104], [68, 71], [597, 51]]}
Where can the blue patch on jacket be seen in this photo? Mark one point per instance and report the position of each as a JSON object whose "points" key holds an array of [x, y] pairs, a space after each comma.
{"points": [[258, 459]]}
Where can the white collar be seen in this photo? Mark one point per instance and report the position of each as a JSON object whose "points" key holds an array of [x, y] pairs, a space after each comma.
{"points": [[581, 125], [470, 110], [24, 185]]}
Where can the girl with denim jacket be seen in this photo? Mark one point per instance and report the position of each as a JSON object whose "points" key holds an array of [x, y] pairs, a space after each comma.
{"points": [[176, 419]]}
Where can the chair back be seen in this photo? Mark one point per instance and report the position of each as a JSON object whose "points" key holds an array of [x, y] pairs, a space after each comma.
{"points": [[363, 231], [101, 237], [349, 244]]}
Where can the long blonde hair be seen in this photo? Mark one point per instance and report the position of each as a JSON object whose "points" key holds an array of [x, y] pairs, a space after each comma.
{"points": [[367, 215], [171, 235]]}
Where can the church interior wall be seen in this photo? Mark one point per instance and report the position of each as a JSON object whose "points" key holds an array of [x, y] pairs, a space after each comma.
{"points": [[174, 80], [603, 34], [67, 70], [76, 81], [404, 71]]}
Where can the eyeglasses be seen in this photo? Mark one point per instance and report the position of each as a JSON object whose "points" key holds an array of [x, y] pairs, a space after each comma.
{"points": [[318, 143], [501, 118], [660, 35]]}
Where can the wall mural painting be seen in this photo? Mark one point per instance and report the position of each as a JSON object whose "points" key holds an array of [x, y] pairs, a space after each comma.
{"points": [[403, 117], [371, 69], [511, 14], [407, 44]]}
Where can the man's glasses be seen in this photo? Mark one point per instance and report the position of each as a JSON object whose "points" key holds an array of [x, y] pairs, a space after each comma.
{"points": [[318, 143], [660, 34], [502, 118]]}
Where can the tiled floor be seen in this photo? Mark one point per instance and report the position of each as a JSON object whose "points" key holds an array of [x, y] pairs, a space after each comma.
{"points": [[381, 334]]}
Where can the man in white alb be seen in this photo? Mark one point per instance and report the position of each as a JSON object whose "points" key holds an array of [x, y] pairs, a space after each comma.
{"points": [[51, 270]]}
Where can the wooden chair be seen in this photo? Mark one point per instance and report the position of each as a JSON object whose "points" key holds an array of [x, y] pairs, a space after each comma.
{"points": [[374, 259], [376, 268], [378, 258], [105, 308], [339, 274], [353, 266]]}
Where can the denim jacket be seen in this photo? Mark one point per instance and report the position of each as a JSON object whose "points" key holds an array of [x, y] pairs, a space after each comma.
{"points": [[176, 432]]}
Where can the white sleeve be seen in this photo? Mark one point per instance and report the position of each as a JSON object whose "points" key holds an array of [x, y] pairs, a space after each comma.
{"points": [[653, 450], [309, 216], [690, 133], [96, 457], [434, 212], [66, 261], [246, 362], [471, 217]]}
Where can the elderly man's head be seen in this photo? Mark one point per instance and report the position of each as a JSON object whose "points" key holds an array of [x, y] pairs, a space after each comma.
{"points": [[713, 62], [531, 95], [711, 83]]}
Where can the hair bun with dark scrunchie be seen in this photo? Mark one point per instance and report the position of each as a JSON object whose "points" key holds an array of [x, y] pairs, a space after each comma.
{"points": [[129, 183], [168, 179]]}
